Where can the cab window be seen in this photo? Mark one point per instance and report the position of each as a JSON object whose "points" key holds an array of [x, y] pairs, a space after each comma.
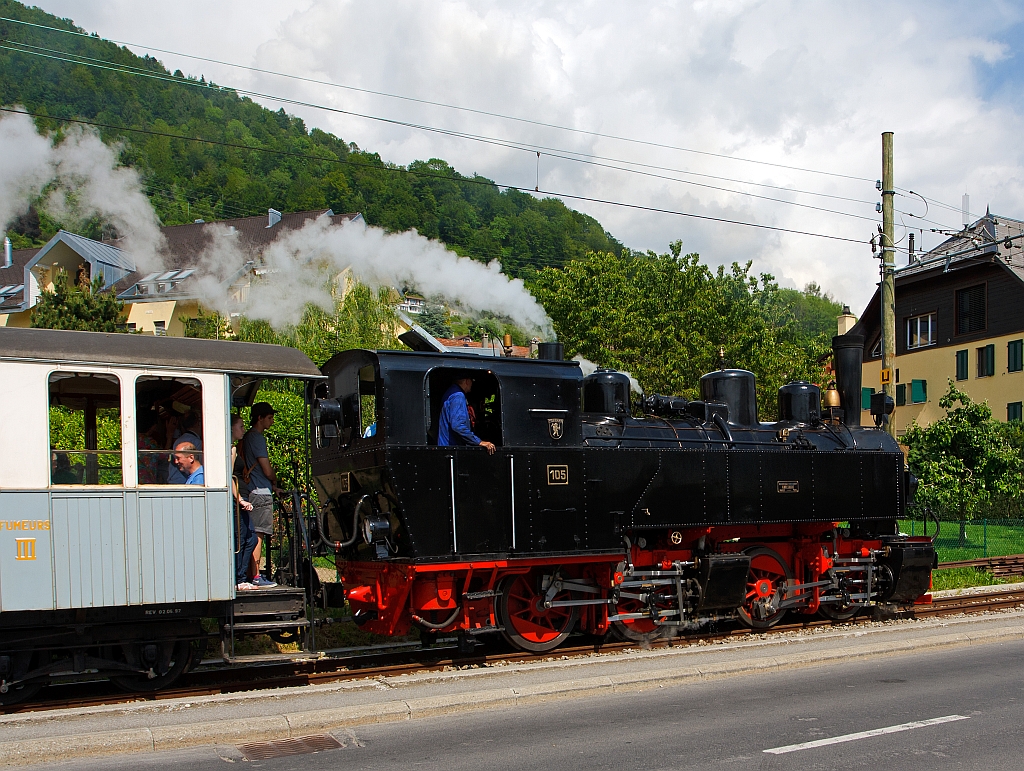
{"points": [[484, 401], [85, 429]]}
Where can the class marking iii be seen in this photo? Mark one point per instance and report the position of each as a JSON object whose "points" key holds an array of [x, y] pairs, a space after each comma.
{"points": [[346, 482], [788, 487], [893, 729], [26, 548], [558, 475]]}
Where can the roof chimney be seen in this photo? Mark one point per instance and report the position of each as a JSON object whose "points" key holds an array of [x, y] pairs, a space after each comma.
{"points": [[273, 217], [8, 253], [846, 320]]}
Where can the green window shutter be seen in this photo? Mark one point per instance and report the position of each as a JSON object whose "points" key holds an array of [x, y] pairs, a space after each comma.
{"points": [[962, 364], [901, 394], [1013, 411], [1015, 356], [990, 360], [918, 391], [865, 398]]}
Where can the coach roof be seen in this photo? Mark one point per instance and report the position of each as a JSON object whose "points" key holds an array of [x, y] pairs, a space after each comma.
{"points": [[149, 351]]}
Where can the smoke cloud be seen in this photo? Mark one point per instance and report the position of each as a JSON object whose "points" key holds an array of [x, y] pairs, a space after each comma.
{"points": [[299, 264], [24, 166], [86, 179]]}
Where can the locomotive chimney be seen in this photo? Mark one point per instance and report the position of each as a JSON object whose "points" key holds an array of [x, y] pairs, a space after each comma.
{"points": [[551, 351], [848, 358]]}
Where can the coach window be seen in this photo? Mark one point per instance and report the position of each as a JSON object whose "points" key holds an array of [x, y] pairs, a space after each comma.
{"points": [[484, 401], [168, 410], [85, 429]]}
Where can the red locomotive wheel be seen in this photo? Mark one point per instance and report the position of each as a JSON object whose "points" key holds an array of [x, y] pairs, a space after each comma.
{"points": [[639, 630], [766, 587], [526, 623]]}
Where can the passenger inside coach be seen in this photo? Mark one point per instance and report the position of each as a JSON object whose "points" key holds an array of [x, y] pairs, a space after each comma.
{"points": [[169, 412]]}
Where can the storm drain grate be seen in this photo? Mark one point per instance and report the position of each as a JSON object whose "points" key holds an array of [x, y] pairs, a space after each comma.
{"points": [[279, 748]]}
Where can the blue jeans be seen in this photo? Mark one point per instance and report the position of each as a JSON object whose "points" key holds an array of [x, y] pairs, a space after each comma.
{"points": [[245, 544]]}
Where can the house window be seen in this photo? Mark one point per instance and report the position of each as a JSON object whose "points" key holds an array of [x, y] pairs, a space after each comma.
{"points": [[901, 394], [918, 391], [986, 361], [961, 364], [865, 398], [1013, 411], [159, 327], [1015, 356], [876, 351], [921, 331], [970, 309]]}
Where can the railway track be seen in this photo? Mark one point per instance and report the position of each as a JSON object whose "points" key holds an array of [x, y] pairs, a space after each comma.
{"points": [[249, 677]]}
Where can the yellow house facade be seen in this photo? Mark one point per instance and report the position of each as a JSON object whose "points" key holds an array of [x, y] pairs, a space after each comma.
{"points": [[959, 317]]}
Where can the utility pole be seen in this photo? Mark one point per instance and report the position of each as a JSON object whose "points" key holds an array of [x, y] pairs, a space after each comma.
{"points": [[888, 289]]}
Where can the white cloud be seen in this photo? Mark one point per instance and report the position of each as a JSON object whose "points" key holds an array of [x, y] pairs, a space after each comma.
{"points": [[798, 83]]}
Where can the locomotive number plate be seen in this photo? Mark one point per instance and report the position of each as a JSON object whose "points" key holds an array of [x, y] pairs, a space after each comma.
{"points": [[788, 487], [558, 475]]}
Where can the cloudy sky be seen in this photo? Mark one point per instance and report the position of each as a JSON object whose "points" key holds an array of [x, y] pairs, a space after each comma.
{"points": [[799, 87]]}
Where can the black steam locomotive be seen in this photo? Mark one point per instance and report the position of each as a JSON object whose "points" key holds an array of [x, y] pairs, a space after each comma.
{"points": [[588, 515]]}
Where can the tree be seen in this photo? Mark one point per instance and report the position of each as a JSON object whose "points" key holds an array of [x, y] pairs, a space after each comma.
{"points": [[83, 308], [664, 318], [434, 319], [963, 460]]}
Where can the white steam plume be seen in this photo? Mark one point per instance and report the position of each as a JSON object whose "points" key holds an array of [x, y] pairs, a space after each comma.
{"points": [[589, 368], [89, 182], [298, 263], [24, 166]]}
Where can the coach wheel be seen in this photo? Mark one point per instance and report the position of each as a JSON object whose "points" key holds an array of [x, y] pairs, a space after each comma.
{"points": [[528, 625], [167, 660], [766, 588], [638, 630], [22, 691]]}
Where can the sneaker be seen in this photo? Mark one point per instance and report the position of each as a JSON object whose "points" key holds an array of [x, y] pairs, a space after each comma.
{"points": [[261, 583], [245, 586]]}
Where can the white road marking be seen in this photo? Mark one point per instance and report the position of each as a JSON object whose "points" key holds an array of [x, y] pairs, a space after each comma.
{"points": [[893, 729]]}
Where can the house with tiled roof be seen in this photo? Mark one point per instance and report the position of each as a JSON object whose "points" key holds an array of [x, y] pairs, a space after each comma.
{"points": [[959, 316], [156, 302]]}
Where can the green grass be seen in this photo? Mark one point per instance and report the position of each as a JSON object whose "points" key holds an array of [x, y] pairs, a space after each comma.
{"points": [[992, 539], [962, 578]]}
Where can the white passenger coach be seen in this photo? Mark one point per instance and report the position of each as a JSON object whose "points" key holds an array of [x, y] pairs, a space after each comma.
{"points": [[107, 563]]}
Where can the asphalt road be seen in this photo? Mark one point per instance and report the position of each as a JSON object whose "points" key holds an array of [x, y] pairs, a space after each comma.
{"points": [[977, 692]]}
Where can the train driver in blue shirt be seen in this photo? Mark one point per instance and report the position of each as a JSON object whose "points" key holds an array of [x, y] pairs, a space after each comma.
{"points": [[455, 428]]}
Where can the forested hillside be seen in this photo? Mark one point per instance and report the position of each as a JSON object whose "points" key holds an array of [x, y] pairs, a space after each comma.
{"points": [[188, 180]]}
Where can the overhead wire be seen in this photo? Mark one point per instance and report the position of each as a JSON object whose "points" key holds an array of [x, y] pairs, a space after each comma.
{"points": [[448, 106], [560, 154], [460, 180]]}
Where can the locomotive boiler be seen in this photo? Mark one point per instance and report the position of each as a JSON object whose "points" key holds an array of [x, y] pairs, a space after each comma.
{"points": [[596, 515]]}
